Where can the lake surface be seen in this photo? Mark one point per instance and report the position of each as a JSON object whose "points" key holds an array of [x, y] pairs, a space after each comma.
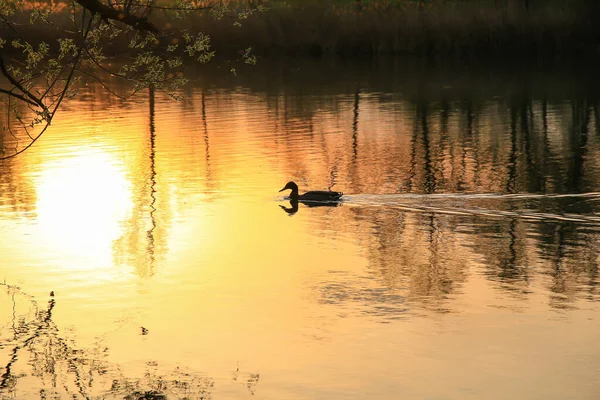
{"points": [[462, 262]]}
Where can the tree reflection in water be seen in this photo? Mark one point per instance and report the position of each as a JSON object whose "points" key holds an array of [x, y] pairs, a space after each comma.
{"points": [[60, 368]]}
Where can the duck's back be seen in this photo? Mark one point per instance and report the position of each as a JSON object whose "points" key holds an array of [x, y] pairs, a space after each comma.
{"points": [[321, 195]]}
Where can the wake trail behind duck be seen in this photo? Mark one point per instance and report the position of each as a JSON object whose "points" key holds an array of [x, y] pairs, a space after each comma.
{"points": [[367, 198], [490, 205]]}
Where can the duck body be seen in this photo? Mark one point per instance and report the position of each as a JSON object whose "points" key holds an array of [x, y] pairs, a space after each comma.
{"points": [[314, 195]]}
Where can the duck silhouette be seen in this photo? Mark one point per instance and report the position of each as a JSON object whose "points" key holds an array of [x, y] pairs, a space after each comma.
{"points": [[312, 196]]}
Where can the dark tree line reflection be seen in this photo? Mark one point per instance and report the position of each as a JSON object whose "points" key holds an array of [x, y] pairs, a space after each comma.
{"points": [[508, 151], [144, 240], [534, 138]]}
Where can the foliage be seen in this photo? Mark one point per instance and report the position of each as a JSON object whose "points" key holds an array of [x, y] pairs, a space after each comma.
{"points": [[42, 74]]}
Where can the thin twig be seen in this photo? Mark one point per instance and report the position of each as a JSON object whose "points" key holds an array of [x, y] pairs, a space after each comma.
{"points": [[106, 13], [49, 88], [10, 25], [19, 96], [15, 83], [51, 116], [104, 86]]}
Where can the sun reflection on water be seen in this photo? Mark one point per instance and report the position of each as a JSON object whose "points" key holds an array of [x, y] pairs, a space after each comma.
{"points": [[80, 202]]}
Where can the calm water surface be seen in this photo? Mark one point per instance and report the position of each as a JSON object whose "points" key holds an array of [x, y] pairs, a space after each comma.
{"points": [[462, 263]]}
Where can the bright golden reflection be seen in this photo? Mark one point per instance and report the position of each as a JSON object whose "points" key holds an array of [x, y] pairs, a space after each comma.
{"points": [[146, 253], [81, 201]]}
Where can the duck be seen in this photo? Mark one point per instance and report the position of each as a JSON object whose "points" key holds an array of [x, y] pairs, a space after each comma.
{"points": [[314, 195]]}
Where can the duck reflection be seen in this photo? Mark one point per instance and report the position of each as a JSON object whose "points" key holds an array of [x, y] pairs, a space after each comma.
{"points": [[293, 208]]}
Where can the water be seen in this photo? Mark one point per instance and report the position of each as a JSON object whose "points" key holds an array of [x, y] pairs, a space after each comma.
{"points": [[461, 263]]}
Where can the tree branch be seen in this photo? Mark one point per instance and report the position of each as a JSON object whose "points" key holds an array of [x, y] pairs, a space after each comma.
{"points": [[106, 13], [50, 116], [16, 84], [19, 96]]}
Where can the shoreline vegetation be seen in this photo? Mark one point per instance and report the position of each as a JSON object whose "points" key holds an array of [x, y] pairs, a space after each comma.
{"points": [[429, 28]]}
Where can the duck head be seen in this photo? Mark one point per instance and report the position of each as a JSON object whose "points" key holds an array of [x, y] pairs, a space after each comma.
{"points": [[292, 186]]}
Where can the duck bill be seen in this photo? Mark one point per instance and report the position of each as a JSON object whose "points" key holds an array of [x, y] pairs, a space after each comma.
{"points": [[283, 189]]}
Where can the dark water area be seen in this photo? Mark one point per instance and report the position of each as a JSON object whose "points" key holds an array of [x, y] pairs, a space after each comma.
{"points": [[461, 262]]}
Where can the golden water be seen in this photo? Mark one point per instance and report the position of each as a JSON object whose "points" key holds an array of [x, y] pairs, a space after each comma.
{"points": [[462, 262]]}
